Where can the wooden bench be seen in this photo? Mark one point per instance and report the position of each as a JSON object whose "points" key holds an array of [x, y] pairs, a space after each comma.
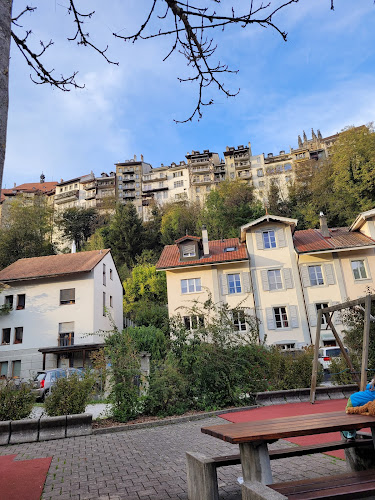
{"points": [[202, 470]]}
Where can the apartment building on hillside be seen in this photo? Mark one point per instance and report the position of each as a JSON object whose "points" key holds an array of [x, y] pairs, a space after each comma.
{"points": [[202, 168], [279, 274]]}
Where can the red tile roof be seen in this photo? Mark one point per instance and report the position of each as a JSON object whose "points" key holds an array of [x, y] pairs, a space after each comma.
{"points": [[5, 192], [187, 237], [52, 265], [311, 240], [170, 256], [36, 186]]}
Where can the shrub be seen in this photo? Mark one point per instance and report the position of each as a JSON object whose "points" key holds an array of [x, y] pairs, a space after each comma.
{"points": [[69, 395], [16, 401], [149, 339]]}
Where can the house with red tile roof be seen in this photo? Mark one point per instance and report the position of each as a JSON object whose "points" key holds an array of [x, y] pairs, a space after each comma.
{"points": [[282, 275], [59, 304]]}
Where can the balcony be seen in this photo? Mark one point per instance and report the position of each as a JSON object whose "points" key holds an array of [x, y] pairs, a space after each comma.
{"points": [[198, 182], [203, 159], [245, 175], [89, 185], [90, 195], [65, 339], [129, 195], [128, 186], [241, 165], [155, 179], [153, 189], [106, 184], [202, 169], [67, 196], [128, 178], [219, 178]]}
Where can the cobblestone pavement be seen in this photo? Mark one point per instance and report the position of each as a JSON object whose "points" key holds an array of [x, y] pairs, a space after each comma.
{"points": [[149, 464]]}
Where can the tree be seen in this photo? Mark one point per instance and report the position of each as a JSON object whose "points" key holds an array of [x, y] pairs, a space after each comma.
{"points": [[77, 224], [125, 235], [229, 207], [179, 218], [26, 231], [189, 24]]}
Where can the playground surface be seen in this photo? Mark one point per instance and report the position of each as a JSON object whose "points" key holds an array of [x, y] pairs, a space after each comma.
{"points": [[149, 464]]}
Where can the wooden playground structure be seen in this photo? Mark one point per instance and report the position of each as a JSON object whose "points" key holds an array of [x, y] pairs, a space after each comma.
{"points": [[328, 313]]}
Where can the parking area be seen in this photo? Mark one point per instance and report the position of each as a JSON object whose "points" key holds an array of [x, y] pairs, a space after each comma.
{"points": [[149, 464]]}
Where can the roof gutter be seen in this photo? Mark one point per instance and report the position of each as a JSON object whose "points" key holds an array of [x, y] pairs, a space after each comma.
{"points": [[345, 249], [202, 265]]}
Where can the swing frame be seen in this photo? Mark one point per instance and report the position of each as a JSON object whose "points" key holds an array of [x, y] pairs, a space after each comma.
{"points": [[328, 313]]}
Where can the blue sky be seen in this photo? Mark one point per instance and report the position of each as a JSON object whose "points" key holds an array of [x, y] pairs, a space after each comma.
{"points": [[322, 77]]}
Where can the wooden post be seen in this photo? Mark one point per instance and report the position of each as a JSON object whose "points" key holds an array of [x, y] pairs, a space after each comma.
{"points": [[366, 339], [314, 376], [343, 350], [83, 357], [44, 361]]}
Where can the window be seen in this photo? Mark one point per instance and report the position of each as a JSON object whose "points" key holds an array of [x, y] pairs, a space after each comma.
{"points": [[239, 321], [191, 285], [110, 301], [198, 190], [4, 369], [208, 188], [5, 339], [315, 275], [161, 184], [21, 301], [269, 240], [111, 274], [274, 279], [260, 172], [177, 174], [322, 306], [286, 347], [67, 296], [234, 283], [281, 317], [177, 184], [188, 250], [66, 334], [9, 300], [16, 369], [288, 178], [120, 177], [359, 269], [103, 303], [18, 335], [193, 322], [104, 275]]}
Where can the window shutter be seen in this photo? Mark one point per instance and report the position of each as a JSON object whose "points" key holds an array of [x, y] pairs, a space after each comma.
{"points": [[67, 327], [305, 276], [293, 316], [265, 284], [288, 278], [224, 284], [281, 238], [337, 316], [270, 319], [188, 249], [330, 275], [246, 284], [312, 315], [67, 295], [259, 239]]}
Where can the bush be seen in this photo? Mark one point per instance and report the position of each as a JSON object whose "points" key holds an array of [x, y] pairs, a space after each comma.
{"points": [[149, 339], [16, 401], [69, 395]]}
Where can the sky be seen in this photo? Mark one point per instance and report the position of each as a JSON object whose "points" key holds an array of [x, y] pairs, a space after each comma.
{"points": [[323, 77]]}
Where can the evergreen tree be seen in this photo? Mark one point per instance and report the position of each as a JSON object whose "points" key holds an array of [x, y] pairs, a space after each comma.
{"points": [[77, 224]]}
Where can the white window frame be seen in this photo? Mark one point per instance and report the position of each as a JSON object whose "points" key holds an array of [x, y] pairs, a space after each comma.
{"points": [[239, 321], [314, 274], [352, 261], [186, 252], [278, 311], [194, 322], [322, 306], [271, 239], [192, 285], [278, 282], [234, 280]]}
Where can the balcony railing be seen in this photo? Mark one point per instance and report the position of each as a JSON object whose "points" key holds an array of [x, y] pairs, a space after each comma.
{"points": [[90, 195], [242, 164], [155, 179], [89, 185], [65, 339], [63, 197]]}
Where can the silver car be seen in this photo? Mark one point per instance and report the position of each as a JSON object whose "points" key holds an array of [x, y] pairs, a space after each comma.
{"points": [[45, 380]]}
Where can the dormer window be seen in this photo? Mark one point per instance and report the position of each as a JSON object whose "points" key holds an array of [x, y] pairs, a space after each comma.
{"points": [[188, 250], [269, 240]]}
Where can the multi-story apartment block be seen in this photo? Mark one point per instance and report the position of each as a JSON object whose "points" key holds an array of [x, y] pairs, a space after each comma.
{"points": [[202, 167], [72, 193], [238, 163], [129, 181], [100, 192], [283, 275]]}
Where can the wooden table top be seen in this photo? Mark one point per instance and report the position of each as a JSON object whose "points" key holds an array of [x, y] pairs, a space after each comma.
{"points": [[282, 428]]}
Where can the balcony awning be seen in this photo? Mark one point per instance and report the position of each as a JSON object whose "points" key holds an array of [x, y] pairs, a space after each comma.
{"points": [[70, 348]]}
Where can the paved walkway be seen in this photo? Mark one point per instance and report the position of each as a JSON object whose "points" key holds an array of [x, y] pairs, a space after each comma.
{"points": [[149, 464]]}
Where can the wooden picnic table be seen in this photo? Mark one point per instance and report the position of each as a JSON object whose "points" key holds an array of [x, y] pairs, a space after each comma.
{"points": [[253, 437]]}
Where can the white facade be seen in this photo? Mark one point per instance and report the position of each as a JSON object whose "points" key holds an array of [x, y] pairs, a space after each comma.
{"points": [[44, 319]]}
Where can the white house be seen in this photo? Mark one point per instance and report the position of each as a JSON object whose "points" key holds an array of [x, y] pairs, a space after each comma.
{"points": [[60, 304]]}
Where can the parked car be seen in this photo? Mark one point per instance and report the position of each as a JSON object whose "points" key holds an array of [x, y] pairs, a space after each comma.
{"points": [[45, 380], [326, 354]]}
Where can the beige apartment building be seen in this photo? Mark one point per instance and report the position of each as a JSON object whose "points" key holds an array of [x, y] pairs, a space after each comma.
{"points": [[202, 168], [282, 275]]}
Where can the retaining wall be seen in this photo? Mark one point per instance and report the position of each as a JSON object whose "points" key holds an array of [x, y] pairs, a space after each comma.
{"points": [[45, 428]]}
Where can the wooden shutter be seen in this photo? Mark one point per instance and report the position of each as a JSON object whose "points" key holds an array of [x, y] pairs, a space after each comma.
{"points": [[330, 275], [288, 277], [270, 319], [67, 327], [281, 238], [312, 314], [265, 283], [246, 283], [293, 316], [337, 316], [259, 240], [305, 276], [224, 284]]}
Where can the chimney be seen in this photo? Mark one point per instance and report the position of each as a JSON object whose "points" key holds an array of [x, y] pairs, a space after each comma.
{"points": [[135, 157], [141, 157], [323, 225], [15, 185], [74, 247], [206, 250]]}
